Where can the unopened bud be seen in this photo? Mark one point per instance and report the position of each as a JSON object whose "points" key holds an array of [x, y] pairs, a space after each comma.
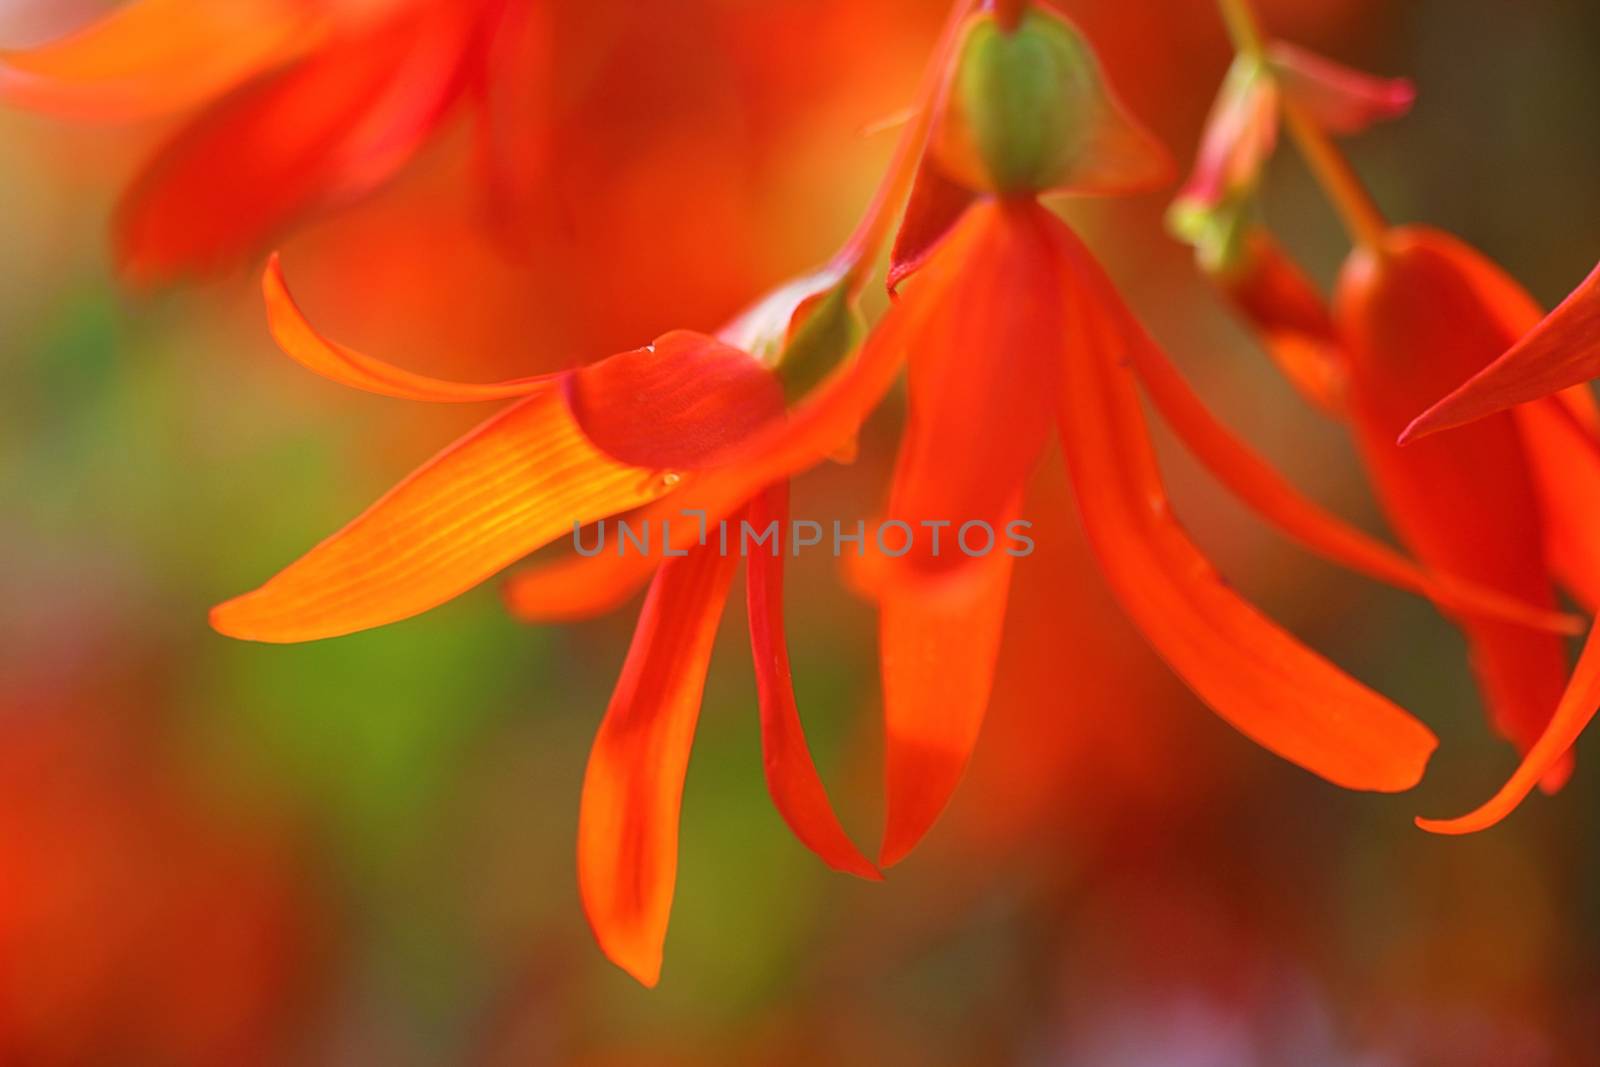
{"points": [[1028, 111]]}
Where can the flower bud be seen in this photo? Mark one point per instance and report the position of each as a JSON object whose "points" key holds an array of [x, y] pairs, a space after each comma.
{"points": [[1028, 111]]}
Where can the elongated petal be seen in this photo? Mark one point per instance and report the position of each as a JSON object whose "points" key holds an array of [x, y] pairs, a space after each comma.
{"points": [[792, 777], [982, 361], [336, 362], [516, 101], [150, 57], [1412, 318], [517, 482], [1562, 350], [939, 638], [983, 356], [1548, 755], [1335, 97], [325, 130], [1252, 673], [1256, 483], [633, 787]]}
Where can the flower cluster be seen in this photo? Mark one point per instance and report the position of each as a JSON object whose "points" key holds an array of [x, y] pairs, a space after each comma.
{"points": [[1009, 334]]}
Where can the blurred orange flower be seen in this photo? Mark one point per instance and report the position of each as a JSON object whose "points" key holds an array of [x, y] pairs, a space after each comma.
{"points": [[307, 105]]}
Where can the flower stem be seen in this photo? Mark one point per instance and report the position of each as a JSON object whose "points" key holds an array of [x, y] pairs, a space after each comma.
{"points": [[856, 257], [1359, 213]]}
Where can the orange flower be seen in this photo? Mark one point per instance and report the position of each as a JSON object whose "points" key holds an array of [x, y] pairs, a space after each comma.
{"points": [[578, 447], [308, 105], [654, 429], [1012, 330], [1495, 503]]}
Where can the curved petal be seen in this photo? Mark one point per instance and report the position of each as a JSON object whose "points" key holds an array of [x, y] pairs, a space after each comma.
{"points": [[1414, 318], [1257, 484], [301, 342], [150, 57], [678, 404], [325, 130], [516, 483], [1252, 673], [1335, 97], [792, 777], [633, 787], [1548, 754], [1561, 351]]}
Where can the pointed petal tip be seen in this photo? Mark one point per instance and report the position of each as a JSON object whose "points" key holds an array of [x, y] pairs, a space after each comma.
{"points": [[639, 962]]}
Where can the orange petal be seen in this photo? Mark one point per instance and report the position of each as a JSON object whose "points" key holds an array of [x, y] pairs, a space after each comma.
{"points": [[1335, 97], [323, 131], [150, 57], [1256, 676], [982, 369], [516, 100], [792, 777], [1547, 755], [1291, 318], [633, 787], [578, 587], [517, 482], [1562, 350], [678, 405], [939, 638], [1413, 317], [1256, 483], [302, 343]]}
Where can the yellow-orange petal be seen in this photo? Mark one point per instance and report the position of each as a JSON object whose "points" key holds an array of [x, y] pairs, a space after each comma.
{"points": [[302, 342], [1252, 673], [792, 779], [514, 484], [633, 787], [150, 57], [1547, 754], [1561, 351]]}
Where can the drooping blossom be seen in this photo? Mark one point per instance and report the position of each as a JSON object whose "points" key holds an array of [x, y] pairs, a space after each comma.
{"points": [[305, 106], [579, 447], [1503, 503], [1011, 330]]}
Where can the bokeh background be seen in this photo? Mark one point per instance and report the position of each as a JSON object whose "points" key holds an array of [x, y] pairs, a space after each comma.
{"points": [[361, 851]]}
